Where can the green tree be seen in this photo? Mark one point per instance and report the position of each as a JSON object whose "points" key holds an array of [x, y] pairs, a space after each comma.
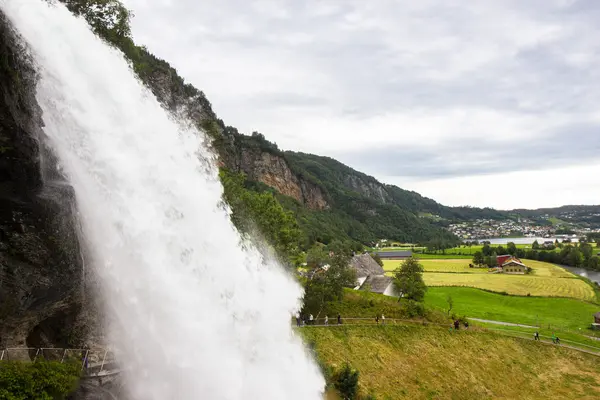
{"points": [[346, 382], [408, 279], [261, 213], [575, 258], [486, 250], [328, 285], [512, 248], [586, 251], [478, 258], [317, 256], [594, 263]]}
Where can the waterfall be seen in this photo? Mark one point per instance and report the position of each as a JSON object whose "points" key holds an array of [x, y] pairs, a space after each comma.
{"points": [[194, 312]]}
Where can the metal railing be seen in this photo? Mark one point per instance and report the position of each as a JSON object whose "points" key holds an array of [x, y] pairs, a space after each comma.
{"points": [[93, 361]]}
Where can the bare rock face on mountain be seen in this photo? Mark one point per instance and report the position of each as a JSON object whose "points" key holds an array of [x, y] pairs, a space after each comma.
{"points": [[273, 171], [40, 259]]}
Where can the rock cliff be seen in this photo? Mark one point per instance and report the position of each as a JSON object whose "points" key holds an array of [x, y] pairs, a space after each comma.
{"points": [[273, 170], [40, 258]]}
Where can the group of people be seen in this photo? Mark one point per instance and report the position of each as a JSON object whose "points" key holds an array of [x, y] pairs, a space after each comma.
{"points": [[302, 320], [382, 319], [457, 325], [555, 339]]}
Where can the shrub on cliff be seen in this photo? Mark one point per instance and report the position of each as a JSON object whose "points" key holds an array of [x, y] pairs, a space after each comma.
{"points": [[42, 380]]}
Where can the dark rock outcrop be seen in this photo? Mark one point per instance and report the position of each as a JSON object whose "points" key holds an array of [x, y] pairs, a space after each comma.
{"points": [[40, 258]]}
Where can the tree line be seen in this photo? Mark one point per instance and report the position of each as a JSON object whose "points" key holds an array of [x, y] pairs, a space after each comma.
{"points": [[582, 254]]}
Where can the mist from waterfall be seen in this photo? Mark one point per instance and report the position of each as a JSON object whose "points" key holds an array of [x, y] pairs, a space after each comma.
{"points": [[195, 312]]}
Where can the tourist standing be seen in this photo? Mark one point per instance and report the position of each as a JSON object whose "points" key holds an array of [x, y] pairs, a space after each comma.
{"points": [[326, 320]]}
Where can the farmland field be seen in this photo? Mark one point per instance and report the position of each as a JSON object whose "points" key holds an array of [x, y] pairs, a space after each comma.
{"points": [[559, 312], [516, 284], [462, 266], [450, 265], [541, 268]]}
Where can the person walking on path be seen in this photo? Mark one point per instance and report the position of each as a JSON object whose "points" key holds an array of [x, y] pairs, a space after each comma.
{"points": [[536, 335], [311, 320], [382, 319], [339, 319], [377, 319], [298, 319], [456, 324], [326, 320]]}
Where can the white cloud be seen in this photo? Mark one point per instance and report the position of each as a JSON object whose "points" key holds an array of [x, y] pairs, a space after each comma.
{"points": [[339, 77], [518, 189]]}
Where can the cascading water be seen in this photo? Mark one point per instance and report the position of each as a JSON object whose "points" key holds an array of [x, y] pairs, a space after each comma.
{"points": [[197, 314]]}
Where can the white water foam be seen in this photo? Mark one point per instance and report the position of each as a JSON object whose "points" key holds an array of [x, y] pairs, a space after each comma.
{"points": [[198, 314]]}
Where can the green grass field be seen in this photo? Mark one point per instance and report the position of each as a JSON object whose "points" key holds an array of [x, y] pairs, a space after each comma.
{"points": [[521, 285], [414, 362], [559, 312]]}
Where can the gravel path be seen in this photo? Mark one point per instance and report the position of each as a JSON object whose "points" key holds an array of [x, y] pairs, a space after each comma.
{"points": [[489, 321]]}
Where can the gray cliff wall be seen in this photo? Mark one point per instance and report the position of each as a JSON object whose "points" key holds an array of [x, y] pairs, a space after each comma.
{"points": [[40, 258]]}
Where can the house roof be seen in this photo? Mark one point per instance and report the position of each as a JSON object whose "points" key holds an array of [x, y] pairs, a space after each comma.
{"points": [[407, 253], [502, 259], [513, 261], [364, 265], [378, 283]]}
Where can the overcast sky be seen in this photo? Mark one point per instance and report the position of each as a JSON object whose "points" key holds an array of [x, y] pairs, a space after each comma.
{"points": [[484, 103]]}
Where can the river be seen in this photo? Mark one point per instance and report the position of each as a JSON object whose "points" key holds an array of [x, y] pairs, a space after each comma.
{"points": [[591, 275]]}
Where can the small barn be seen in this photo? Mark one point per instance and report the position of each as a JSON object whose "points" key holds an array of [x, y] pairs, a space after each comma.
{"points": [[394, 255]]}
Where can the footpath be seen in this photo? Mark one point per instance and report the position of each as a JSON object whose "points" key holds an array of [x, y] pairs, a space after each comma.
{"points": [[582, 347]]}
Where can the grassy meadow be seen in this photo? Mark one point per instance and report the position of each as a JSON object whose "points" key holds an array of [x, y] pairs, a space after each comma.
{"points": [[414, 362], [558, 312]]}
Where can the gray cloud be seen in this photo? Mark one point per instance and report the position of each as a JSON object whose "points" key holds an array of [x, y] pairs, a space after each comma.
{"points": [[573, 145], [371, 81]]}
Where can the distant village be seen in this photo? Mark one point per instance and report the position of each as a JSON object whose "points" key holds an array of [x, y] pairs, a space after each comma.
{"points": [[487, 228]]}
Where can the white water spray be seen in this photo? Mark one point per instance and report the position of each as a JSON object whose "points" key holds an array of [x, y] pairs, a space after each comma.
{"points": [[198, 316]]}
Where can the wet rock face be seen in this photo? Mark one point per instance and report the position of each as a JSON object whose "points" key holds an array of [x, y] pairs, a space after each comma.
{"points": [[40, 261]]}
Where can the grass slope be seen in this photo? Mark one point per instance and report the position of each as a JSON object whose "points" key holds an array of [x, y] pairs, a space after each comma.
{"points": [[412, 362], [559, 312]]}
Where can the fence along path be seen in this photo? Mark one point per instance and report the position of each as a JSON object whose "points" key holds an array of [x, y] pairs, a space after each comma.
{"points": [[100, 362], [320, 322]]}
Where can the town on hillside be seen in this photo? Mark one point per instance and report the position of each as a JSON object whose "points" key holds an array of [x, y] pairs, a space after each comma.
{"points": [[522, 227]]}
